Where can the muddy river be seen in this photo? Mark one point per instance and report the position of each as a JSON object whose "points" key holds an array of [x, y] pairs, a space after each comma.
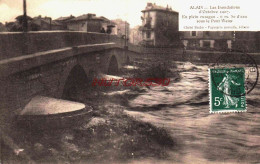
{"points": [[183, 109]]}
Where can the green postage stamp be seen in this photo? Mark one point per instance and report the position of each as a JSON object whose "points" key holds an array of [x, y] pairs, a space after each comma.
{"points": [[227, 90]]}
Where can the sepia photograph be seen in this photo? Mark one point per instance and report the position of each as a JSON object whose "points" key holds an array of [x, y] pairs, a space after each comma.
{"points": [[129, 81]]}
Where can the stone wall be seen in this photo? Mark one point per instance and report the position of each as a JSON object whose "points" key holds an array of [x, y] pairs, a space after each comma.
{"points": [[17, 43]]}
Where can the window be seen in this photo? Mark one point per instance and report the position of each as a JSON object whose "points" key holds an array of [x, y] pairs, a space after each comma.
{"points": [[206, 33], [148, 34], [148, 22], [193, 33], [221, 33], [206, 44]]}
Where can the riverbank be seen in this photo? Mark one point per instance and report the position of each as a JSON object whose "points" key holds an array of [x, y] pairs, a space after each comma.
{"points": [[110, 136]]}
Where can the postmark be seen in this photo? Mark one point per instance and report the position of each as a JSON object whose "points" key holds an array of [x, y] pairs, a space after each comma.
{"points": [[239, 59], [232, 60], [227, 90]]}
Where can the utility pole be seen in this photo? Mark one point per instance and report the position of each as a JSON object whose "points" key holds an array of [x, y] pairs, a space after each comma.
{"points": [[50, 24], [133, 37], [25, 23], [125, 34], [1, 145]]}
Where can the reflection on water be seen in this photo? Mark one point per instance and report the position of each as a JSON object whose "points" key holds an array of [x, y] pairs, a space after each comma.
{"points": [[183, 109]]}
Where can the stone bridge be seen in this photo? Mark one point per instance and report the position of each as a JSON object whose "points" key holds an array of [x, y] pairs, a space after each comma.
{"points": [[54, 63]]}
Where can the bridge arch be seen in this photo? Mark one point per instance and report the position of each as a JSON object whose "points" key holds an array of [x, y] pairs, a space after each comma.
{"points": [[127, 60], [77, 80], [73, 76], [113, 66]]}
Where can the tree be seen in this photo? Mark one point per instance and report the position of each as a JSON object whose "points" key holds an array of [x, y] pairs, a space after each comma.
{"points": [[2, 27], [20, 19], [18, 24]]}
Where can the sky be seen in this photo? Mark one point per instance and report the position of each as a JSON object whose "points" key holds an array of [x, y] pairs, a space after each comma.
{"points": [[129, 10]]}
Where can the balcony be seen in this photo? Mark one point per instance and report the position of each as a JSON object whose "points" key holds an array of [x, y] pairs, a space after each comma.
{"points": [[146, 27]]}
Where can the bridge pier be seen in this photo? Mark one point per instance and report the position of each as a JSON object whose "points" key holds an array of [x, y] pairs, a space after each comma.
{"points": [[51, 79], [50, 63]]}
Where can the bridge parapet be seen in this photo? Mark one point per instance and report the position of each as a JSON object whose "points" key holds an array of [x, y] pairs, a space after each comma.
{"points": [[17, 43], [155, 50]]}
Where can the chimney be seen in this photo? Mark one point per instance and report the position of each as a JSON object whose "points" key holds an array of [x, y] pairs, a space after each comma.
{"points": [[90, 15]]}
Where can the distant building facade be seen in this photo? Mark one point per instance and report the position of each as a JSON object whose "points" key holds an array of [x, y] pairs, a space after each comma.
{"points": [[122, 28], [159, 26], [247, 41], [63, 20], [218, 40], [90, 23], [135, 35], [46, 23]]}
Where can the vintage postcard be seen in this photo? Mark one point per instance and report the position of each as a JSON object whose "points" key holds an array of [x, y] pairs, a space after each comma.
{"points": [[129, 81]]}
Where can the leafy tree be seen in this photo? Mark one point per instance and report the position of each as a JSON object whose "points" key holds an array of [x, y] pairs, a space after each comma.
{"points": [[18, 24], [20, 19]]}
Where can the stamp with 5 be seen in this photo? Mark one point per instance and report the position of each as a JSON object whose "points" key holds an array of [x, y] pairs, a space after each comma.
{"points": [[233, 76], [227, 90]]}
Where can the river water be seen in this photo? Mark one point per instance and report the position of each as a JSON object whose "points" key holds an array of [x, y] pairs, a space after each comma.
{"points": [[183, 109]]}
